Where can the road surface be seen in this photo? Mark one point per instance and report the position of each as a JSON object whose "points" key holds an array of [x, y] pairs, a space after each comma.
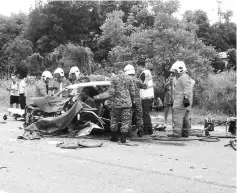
{"points": [[151, 167]]}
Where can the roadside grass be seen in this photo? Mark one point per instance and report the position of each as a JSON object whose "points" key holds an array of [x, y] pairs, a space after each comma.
{"points": [[197, 115]]}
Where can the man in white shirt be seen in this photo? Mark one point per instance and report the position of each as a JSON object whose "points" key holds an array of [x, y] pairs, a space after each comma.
{"points": [[21, 73], [22, 91], [14, 92], [147, 94]]}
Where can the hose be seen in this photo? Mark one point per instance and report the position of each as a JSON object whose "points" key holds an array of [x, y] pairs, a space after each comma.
{"points": [[232, 143], [207, 139], [210, 139]]}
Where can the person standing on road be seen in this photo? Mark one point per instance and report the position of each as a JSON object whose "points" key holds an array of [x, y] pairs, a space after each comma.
{"points": [[42, 88], [21, 73], [14, 92], [60, 82], [183, 98], [74, 75], [130, 70], [22, 91], [168, 99], [122, 93], [147, 94]]}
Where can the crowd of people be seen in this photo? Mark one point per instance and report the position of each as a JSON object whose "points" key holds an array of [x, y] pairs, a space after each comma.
{"points": [[128, 98]]}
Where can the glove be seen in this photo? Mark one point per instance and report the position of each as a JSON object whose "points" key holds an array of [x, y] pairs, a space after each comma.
{"points": [[186, 102], [108, 104], [96, 97], [134, 105]]}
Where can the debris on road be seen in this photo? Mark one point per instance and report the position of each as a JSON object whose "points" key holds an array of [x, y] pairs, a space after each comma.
{"points": [[191, 138], [128, 144], [159, 127], [210, 139], [80, 144], [68, 146], [232, 143], [86, 131], [85, 143]]}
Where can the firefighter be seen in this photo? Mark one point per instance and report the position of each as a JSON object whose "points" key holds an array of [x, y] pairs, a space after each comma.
{"points": [[182, 101], [74, 75], [60, 82], [42, 87]]}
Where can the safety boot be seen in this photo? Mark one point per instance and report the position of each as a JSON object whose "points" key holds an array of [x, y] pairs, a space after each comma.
{"points": [[185, 132], [140, 133], [114, 137], [150, 131], [186, 128], [123, 137]]}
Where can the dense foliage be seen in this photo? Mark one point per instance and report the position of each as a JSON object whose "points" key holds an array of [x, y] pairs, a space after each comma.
{"points": [[219, 93], [95, 34], [84, 24]]}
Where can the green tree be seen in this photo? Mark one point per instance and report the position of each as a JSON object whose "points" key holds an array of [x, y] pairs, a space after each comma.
{"points": [[18, 50], [221, 35], [77, 56], [72, 55], [168, 40], [10, 28], [61, 22], [34, 64], [226, 15], [231, 54]]}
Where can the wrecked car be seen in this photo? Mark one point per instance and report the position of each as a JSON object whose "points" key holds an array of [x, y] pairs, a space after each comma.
{"points": [[53, 115]]}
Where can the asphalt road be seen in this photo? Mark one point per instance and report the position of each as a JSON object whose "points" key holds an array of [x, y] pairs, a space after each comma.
{"points": [[151, 167]]}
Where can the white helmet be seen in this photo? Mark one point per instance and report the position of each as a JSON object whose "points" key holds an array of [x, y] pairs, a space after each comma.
{"points": [[75, 70], [59, 71], [46, 74], [179, 66], [129, 69]]}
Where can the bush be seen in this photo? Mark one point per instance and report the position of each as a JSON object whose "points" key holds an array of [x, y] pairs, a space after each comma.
{"points": [[219, 93]]}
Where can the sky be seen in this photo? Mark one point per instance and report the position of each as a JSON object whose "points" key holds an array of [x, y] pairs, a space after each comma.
{"points": [[210, 6]]}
